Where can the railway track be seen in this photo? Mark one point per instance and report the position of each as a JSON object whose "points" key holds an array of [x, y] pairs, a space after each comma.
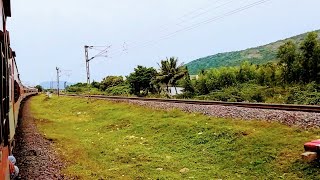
{"points": [[284, 107]]}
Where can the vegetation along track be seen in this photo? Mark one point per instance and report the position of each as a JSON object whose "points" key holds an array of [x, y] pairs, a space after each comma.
{"points": [[285, 107], [296, 116]]}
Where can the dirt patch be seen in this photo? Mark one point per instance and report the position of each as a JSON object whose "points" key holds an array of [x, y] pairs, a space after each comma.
{"points": [[35, 155]]}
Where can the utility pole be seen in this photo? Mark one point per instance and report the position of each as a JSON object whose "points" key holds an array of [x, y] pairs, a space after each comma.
{"points": [[86, 52], [87, 67], [58, 89]]}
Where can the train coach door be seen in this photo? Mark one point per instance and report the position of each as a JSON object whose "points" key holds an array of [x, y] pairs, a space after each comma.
{"points": [[2, 136], [4, 96]]}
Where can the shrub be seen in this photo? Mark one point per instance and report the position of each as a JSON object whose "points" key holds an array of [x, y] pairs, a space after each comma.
{"points": [[120, 90]]}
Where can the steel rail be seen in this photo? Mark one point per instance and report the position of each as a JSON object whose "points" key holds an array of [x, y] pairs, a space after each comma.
{"points": [[285, 107]]}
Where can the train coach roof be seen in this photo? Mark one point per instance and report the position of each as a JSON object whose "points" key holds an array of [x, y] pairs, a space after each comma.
{"points": [[7, 7]]}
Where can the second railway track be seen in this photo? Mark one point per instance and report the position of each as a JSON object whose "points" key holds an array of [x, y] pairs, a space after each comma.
{"points": [[284, 107]]}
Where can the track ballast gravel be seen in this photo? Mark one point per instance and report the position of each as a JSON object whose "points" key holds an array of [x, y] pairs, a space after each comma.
{"points": [[290, 118], [35, 156]]}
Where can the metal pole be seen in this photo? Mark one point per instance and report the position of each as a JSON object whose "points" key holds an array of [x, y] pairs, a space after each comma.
{"points": [[86, 49], [87, 68], [58, 89]]}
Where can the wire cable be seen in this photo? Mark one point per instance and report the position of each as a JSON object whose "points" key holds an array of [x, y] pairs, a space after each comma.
{"points": [[181, 19], [210, 20]]}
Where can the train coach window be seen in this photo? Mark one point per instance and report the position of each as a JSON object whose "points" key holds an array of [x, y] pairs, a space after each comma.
{"points": [[10, 80], [16, 91], [1, 21]]}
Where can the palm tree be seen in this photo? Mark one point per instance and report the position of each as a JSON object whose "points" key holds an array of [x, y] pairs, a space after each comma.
{"points": [[171, 72]]}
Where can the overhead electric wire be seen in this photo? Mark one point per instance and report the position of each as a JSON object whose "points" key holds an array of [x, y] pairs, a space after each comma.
{"points": [[96, 49], [215, 18], [200, 14], [256, 3], [98, 46], [101, 52], [182, 20], [205, 12], [199, 9]]}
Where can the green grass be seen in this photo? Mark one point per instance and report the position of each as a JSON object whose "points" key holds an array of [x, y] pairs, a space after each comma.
{"points": [[106, 140]]}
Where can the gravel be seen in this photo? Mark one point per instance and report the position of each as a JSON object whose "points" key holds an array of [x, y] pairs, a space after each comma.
{"points": [[35, 156], [290, 118]]}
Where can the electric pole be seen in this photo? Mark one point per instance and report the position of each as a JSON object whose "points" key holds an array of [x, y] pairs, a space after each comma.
{"points": [[87, 68], [58, 89], [86, 53]]}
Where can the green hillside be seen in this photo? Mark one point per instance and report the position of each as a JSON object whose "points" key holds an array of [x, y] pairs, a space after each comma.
{"points": [[257, 55]]}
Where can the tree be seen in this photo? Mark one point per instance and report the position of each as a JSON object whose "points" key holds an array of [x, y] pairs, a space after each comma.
{"points": [[246, 72], [310, 60], [212, 79], [95, 84], [301, 65], [288, 55], [261, 79], [171, 72], [187, 84], [110, 81], [316, 64], [141, 80], [227, 77], [201, 85], [39, 87]]}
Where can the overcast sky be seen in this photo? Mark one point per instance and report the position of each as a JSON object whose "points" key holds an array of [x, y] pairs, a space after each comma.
{"points": [[46, 34]]}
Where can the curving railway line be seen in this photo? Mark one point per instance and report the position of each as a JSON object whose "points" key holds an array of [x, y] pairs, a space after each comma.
{"points": [[283, 107]]}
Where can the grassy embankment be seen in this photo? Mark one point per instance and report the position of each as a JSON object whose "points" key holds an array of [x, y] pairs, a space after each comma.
{"points": [[108, 140]]}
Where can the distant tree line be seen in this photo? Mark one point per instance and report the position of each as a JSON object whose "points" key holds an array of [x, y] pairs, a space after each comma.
{"points": [[142, 82], [294, 78], [297, 74]]}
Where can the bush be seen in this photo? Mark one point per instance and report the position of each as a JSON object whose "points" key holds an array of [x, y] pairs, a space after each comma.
{"points": [[303, 95], [76, 89], [240, 93], [120, 90], [185, 95], [252, 93]]}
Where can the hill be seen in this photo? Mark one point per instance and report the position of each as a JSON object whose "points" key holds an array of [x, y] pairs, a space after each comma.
{"points": [[257, 55]]}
